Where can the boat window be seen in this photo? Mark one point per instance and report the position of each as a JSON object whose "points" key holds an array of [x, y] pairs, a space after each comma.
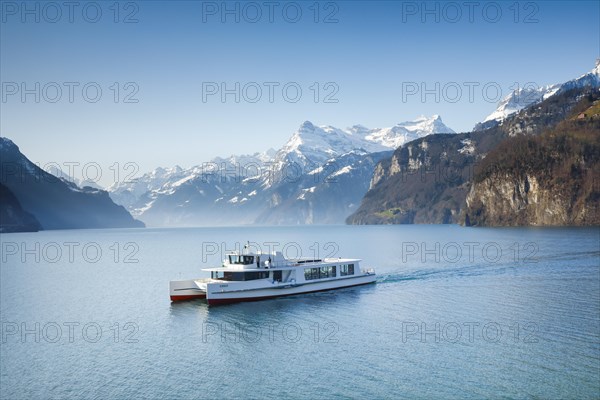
{"points": [[346, 269], [239, 276], [320, 273], [311, 273], [244, 260], [277, 276], [328, 272]]}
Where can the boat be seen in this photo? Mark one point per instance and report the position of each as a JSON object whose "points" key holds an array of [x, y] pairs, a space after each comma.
{"points": [[252, 276]]}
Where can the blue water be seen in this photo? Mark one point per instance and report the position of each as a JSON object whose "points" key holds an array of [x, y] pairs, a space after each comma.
{"points": [[456, 313]]}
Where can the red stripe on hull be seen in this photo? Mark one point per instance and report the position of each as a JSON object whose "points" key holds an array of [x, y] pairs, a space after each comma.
{"points": [[188, 297], [216, 302]]}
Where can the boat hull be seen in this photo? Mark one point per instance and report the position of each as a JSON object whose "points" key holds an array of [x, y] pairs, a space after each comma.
{"points": [[228, 297], [186, 290]]}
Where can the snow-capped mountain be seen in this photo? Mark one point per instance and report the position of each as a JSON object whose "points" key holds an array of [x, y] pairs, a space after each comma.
{"points": [[526, 96], [312, 145], [138, 194], [519, 99], [404, 132], [127, 193], [243, 189]]}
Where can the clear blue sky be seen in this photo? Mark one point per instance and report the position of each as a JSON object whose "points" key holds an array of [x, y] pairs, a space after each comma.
{"points": [[371, 56]]}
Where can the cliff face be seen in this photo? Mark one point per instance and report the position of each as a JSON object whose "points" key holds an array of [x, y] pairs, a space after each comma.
{"points": [[425, 181], [510, 200], [550, 180]]}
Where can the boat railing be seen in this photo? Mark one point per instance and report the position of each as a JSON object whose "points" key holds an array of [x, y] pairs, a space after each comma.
{"points": [[289, 263], [278, 264]]}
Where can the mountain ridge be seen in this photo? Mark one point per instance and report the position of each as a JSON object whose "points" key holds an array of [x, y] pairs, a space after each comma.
{"points": [[528, 95], [57, 203], [248, 187]]}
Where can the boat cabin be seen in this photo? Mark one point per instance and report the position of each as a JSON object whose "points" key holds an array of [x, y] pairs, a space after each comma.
{"points": [[276, 268]]}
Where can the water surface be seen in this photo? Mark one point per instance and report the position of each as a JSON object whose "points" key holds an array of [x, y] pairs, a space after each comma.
{"points": [[456, 313]]}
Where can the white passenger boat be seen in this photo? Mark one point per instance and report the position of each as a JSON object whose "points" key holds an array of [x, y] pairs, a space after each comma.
{"points": [[247, 276]]}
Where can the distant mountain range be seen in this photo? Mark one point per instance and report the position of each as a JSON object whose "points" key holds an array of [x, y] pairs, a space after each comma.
{"points": [[33, 199], [318, 176]]}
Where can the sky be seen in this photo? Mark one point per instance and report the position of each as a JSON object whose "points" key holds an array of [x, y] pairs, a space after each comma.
{"points": [[120, 88]]}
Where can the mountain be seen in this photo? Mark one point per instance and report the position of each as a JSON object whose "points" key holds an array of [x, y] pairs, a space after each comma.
{"points": [[318, 176], [325, 195], [129, 192], [428, 180], [195, 196], [59, 173], [530, 95], [312, 146], [12, 216], [550, 179], [56, 203]]}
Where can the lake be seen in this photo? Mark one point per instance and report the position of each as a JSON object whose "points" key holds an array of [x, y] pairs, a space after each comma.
{"points": [[456, 313]]}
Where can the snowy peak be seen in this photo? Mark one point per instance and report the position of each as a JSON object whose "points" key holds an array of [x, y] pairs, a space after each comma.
{"points": [[403, 132], [320, 143], [519, 99], [307, 126], [311, 144], [528, 95], [591, 79], [424, 126]]}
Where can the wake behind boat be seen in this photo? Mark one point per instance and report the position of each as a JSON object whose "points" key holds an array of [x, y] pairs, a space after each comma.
{"points": [[248, 276]]}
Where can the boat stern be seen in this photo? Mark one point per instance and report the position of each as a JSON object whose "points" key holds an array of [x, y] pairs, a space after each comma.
{"points": [[187, 290]]}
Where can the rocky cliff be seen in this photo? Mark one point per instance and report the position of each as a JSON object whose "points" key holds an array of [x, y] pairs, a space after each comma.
{"points": [[428, 180], [551, 179]]}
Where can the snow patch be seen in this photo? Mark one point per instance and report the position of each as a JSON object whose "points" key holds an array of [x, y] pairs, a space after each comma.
{"points": [[468, 147], [342, 171], [304, 191]]}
